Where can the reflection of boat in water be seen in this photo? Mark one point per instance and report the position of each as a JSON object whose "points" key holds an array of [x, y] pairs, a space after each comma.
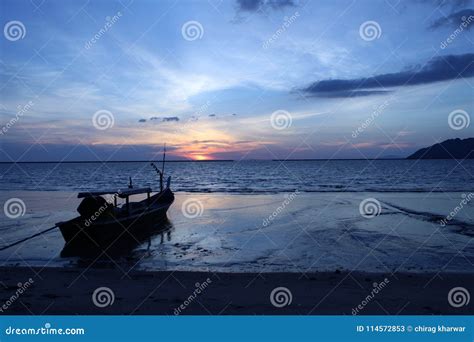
{"points": [[104, 225]]}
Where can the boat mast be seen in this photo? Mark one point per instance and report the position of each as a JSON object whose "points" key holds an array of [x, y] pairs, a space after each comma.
{"points": [[163, 167]]}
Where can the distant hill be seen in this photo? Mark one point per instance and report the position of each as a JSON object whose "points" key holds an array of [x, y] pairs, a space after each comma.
{"points": [[449, 149]]}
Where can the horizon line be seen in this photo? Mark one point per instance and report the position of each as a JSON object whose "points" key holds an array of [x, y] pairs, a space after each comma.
{"points": [[189, 161]]}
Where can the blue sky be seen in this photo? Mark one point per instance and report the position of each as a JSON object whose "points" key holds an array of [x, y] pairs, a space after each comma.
{"points": [[212, 95]]}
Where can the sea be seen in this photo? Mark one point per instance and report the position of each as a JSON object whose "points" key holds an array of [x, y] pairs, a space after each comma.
{"points": [[248, 176]]}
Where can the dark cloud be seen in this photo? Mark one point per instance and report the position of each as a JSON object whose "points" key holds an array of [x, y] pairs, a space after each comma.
{"points": [[437, 69], [142, 120], [249, 5], [455, 20], [170, 118], [164, 119], [212, 115], [255, 5]]}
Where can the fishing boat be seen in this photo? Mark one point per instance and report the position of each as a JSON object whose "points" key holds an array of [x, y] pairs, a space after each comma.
{"points": [[103, 223]]}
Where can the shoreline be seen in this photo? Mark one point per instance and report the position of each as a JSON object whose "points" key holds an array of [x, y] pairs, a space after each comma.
{"points": [[70, 291]]}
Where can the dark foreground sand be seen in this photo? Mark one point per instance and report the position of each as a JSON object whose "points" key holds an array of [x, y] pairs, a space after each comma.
{"points": [[70, 291]]}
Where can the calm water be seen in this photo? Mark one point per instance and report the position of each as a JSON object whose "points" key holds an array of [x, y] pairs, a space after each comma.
{"points": [[249, 176]]}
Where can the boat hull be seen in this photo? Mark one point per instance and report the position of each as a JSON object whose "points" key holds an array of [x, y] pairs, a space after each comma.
{"points": [[106, 235]]}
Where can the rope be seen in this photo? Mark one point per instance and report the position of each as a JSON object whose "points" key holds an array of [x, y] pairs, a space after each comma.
{"points": [[27, 238]]}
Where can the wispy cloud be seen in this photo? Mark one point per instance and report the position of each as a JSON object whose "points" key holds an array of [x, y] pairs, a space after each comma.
{"points": [[454, 20]]}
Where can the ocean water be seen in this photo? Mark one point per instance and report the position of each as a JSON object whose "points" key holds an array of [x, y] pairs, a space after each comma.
{"points": [[249, 176]]}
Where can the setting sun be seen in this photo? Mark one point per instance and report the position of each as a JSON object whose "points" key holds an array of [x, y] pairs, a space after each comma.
{"points": [[200, 157]]}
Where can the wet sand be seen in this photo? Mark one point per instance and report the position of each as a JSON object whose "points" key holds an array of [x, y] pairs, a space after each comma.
{"points": [[306, 232], [70, 291]]}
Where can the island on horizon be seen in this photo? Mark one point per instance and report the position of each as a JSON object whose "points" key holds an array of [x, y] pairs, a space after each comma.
{"points": [[448, 149]]}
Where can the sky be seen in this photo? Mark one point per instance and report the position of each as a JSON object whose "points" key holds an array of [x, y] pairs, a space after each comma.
{"points": [[235, 79]]}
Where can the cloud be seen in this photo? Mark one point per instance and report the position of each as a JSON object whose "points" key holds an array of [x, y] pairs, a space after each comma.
{"points": [[255, 5], [163, 119], [437, 69], [212, 115], [170, 118], [455, 20], [142, 120]]}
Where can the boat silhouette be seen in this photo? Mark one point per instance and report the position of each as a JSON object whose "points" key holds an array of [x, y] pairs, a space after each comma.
{"points": [[103, 225]]}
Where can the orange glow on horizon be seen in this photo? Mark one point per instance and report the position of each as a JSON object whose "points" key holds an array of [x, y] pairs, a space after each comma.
{"points": [[200, 157]]}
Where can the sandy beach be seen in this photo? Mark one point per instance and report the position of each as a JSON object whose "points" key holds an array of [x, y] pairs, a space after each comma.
{"points": [[71, 291]]}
